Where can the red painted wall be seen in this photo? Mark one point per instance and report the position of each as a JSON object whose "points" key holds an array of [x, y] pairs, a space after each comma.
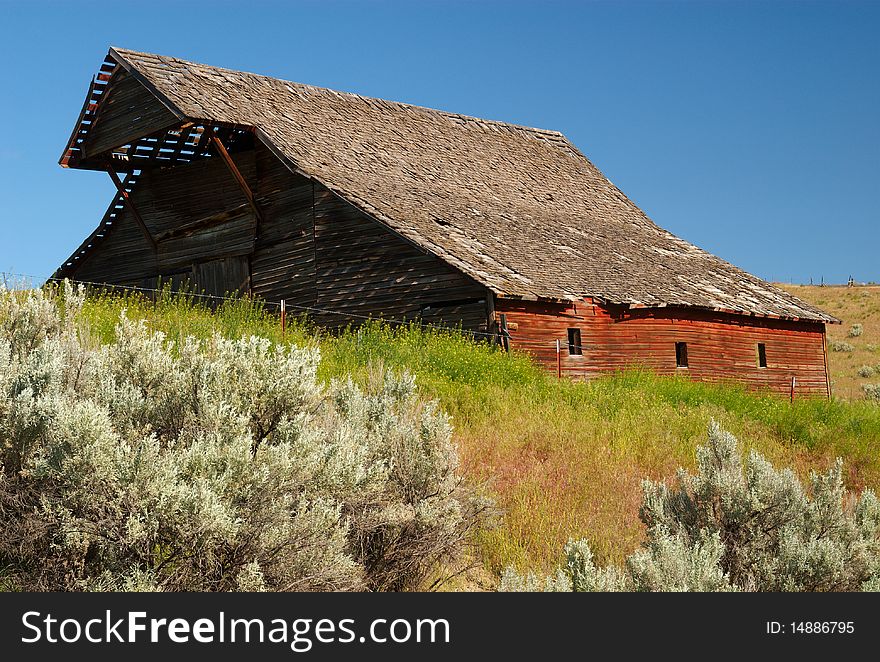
{"points": [[720, 346]]}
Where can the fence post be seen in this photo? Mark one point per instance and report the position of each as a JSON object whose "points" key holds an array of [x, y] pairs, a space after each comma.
{"points": [[558, 360], [793, 382], [283, 319], [505, 334]]}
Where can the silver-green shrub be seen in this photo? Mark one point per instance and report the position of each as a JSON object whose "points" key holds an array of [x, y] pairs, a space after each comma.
{"points": [[867, 371], [840, 346], [872, 392], [579, 574], [741, 526], [855, 331], [211, 465]]}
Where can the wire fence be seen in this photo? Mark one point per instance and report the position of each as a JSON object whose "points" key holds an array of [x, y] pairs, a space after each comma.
{"points": [[552, 345]]}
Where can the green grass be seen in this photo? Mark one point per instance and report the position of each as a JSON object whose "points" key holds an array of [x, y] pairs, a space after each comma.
{"points": [[561, 458]]}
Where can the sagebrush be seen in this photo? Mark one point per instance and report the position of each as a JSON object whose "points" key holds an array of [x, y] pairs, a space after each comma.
{"points": [[841, 346], [214, 464], [736, 526]]}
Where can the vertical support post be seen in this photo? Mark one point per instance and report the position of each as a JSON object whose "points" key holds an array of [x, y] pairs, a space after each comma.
{"points": [[558, 359], [793, 383], [505, 334], [283, 319], [825, 357], [491, 320]]}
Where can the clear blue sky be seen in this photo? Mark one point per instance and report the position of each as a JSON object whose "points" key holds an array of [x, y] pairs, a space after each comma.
{"points": [[749, 129]]}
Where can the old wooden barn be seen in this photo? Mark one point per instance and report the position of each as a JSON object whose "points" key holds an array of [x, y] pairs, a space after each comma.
{"points": [[363, 207]]}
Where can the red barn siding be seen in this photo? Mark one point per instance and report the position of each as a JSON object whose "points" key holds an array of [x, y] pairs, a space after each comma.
{"points": [[720, 346]]}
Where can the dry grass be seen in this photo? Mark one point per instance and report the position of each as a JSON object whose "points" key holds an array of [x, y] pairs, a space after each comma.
{"points": [[573, 468], [852, 305]]}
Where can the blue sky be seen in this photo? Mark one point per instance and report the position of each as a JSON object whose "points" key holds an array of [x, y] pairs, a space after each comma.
{"points": [[749, 129]]}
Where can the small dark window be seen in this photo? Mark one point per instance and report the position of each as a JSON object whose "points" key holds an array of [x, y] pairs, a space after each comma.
{"points": [[762, 355], [681, 355], [574, 342]]}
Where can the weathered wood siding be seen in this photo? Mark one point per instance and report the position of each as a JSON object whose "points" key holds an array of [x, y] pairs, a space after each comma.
{"points": [[364, 269], [312, 248], [220, 277], [130, 111], [196, 213], [123, 257], [318, 251], [283, 264], [719, 346]]}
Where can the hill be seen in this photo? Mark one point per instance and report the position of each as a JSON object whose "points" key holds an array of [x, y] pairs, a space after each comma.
{"points": [[853, 360], [562, 459]]}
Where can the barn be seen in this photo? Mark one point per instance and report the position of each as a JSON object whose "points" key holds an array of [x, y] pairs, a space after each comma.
{"points": [[355, 207]]}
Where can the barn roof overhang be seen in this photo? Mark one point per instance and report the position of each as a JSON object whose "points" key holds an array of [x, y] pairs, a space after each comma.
{"points": [[655, 306], [189, 138], [183, 140]]}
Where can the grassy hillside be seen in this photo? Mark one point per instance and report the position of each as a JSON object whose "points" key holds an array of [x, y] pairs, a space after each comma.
{"points": [[562, 459], [850, 368]]}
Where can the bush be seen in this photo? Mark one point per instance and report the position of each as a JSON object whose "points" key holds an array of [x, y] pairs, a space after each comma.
{"points": [[854, 331], [867, 371], [872, 391], [216, 464], [841, 346], [740, 528]]}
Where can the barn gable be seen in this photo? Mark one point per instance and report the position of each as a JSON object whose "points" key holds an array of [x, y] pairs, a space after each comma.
{"points": [[128, 112]]}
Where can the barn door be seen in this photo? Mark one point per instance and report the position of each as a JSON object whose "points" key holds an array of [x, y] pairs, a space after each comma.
{"points": [[223, 277]]}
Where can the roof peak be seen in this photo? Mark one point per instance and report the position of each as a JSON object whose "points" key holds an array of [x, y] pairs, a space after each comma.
{"points": [[122, 52]]}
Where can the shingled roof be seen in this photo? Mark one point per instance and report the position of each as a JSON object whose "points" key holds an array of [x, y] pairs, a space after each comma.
{"points": [[518, 209]]}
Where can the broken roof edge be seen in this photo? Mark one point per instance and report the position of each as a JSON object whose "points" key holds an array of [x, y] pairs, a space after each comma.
{"points": [[116, 54], [90, 105]]}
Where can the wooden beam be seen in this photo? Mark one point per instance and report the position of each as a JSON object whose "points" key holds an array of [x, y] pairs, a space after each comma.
{"points": [[825, 358], [131, 208], [187, 229], [230, 164]]}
